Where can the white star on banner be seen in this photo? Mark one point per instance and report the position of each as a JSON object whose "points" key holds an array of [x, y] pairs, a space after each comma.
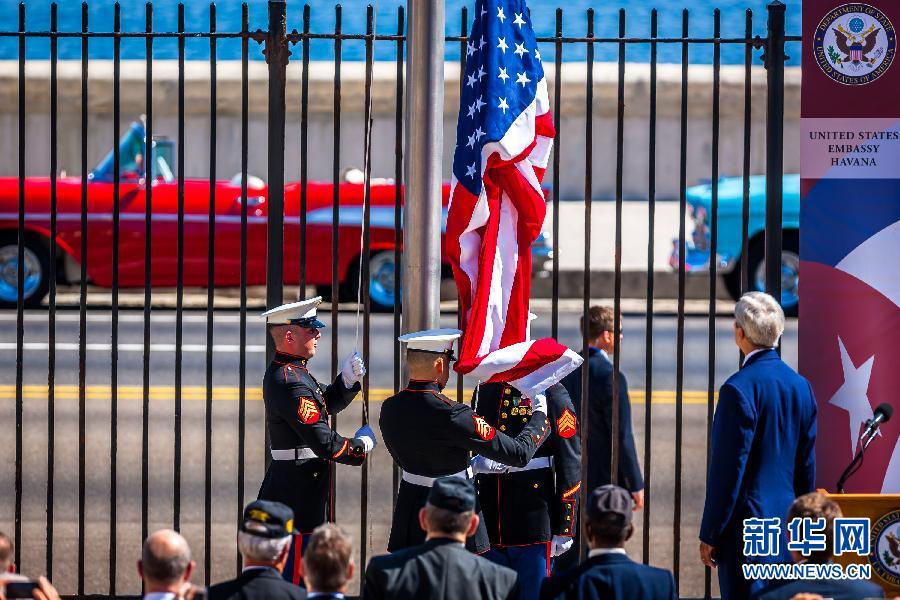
{"points": [[503, 105], [501, 43], [851, 396], [519, 20], [481, 73], [472, 80], [520, 50], [470, 49], [500, 14], [481, 43], [478, 134], [470, 171], [478, 104], [471, 110], [503, 74], [483, 11], [537, 54], [522, 78], [471, 142]]}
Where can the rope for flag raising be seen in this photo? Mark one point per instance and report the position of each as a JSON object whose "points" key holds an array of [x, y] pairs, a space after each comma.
{"points": [[367, 187]]}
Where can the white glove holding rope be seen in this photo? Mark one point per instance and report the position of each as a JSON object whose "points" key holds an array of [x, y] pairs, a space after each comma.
{"points": [[487, 466], [367, 437], [353, 369], [539, 403], [559, 545]]}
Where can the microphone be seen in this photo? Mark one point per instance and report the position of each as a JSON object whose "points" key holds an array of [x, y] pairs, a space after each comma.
{"points": [[882, 414]]}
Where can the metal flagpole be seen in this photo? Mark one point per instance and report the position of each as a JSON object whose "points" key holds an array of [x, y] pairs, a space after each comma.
{"points": [[424, 137]]}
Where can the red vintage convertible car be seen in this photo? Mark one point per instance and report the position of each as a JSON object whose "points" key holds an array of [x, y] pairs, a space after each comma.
{"points": [[164, 226]]}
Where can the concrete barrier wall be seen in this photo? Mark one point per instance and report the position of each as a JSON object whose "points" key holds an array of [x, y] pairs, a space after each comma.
{"points": [[321, 119]]}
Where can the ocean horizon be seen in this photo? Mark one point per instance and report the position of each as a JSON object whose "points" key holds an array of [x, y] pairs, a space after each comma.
{"points": [[322, 20]]}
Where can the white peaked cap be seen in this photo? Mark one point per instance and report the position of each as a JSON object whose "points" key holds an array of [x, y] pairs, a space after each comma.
{"points": [[432, 340], [301, 313]]}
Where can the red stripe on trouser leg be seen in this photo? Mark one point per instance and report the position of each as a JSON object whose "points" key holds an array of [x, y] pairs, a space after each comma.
{"points": [[549, 558], [298, 557]]}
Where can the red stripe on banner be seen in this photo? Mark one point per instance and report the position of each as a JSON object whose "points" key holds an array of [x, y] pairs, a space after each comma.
{"points": [[542, 352], [462, 205]]}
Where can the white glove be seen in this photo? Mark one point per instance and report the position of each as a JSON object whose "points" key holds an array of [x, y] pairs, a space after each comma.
{"points": [[559, 545], [367, 437], [353, 369], [539, 403], [487, 466]]}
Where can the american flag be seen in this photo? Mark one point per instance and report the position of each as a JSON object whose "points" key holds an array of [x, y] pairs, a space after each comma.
{"points": [[504, 137]]}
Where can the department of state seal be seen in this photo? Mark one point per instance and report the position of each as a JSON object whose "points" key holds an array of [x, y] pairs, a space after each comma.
{"points": [[855, 44], [886, 548]]}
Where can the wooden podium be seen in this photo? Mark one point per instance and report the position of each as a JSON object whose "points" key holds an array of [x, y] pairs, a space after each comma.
{"points": [[883, 510]]}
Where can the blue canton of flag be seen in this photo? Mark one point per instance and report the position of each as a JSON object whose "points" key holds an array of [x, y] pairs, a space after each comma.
{"points": [[762, 537], [851, 536], [807, 535], [503, 68]]}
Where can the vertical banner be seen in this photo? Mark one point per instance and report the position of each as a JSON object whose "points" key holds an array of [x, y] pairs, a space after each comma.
{"points": [[850, 234]]}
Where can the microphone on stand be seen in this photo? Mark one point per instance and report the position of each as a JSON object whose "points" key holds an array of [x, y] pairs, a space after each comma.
{"points": [[881, 415]]}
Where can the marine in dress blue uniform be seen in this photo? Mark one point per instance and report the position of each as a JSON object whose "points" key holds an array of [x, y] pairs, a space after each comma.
{"points": [[530, 513], [431, 436], [763, 440], [303, 443]]}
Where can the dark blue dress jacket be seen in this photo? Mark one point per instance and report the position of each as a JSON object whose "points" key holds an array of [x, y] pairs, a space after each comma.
{"points": [[610, 576]]}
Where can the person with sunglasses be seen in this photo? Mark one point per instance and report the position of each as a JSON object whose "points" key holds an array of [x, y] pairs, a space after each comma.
{"points": [[430, 436], [297, 411]]}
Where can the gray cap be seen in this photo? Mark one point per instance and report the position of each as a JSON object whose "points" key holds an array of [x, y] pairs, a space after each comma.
{"points": [[452, 493], [610, 499]]}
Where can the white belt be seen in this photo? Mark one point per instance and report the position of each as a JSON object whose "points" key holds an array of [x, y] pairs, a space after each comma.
{"points": [[535, 463], [293, 454], [423, 481]]}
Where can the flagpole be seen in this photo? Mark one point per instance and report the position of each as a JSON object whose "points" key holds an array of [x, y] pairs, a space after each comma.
{"points": [[423, 155]]}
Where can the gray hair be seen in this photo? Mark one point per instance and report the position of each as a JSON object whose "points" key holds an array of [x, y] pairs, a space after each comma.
{"points": [[260, 549], [761, 318]]}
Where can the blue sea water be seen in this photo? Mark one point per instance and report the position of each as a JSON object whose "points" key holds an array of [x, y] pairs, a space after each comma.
{"points": [[543, 14]]}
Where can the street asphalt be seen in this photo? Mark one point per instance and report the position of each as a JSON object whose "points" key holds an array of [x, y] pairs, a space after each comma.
{"points": [[224, 501]]}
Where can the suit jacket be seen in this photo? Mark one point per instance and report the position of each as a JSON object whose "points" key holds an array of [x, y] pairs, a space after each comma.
{"points": [[297, 411], [836, 589], [439, 569], [610, 576], [763, 437], [428, 434], [530, 507], [600, 392], [256, 583]]}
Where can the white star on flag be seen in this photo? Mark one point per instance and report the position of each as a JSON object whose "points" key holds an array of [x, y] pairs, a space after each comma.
{"points": [[503, 105], [537, 54], [470, 48], [503, 74], [519, 20], [471, 142], [520, 50], [472, 81], [472, 110], [478, 104], [500, 14], [478, 134], [470, 170], [522, 78], [501, 43], [852, 396], [481, 73]]}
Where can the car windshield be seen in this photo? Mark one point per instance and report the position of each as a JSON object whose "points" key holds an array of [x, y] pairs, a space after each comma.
{"points": [[131, 159]]}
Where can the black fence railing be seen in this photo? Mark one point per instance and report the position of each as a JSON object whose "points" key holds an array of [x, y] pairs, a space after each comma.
{"points": [[138, 199]]}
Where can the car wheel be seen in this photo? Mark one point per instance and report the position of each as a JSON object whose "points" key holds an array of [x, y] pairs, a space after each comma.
{"points": [[790, 270], [37, 272], [383, 281]]}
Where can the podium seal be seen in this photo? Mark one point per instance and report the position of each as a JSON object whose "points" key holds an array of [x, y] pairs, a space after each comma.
{"points": [[886, 548], [855, 44]]}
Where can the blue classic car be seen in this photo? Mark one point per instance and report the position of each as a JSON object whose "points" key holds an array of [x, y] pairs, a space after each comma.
{"points": [[728, 250]]}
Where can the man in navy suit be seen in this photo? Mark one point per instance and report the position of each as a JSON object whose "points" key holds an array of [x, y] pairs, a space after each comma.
{"points": [[608, 572], [818, 506], [763, 437]]}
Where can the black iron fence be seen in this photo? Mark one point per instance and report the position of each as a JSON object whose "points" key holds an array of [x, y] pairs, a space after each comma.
{"points": [[36, 230]]}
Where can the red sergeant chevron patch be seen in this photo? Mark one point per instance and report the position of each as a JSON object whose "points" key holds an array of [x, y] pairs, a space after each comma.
{"points": [[566, 425], [308, 411], [484, 430]]}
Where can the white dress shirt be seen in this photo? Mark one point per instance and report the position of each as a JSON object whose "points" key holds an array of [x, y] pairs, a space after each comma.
{"points": [[602, 551]]}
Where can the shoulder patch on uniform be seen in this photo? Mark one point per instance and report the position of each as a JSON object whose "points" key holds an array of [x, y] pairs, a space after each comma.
{"points": [[566, 424], [308, 411], [484, 430]]}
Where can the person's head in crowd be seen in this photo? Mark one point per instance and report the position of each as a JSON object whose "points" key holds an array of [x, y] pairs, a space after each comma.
{"points": [[450, 510], [327, 564], [758, 322], [165, 564], [816, 506], [601, 328], [6, 554], [429, 354], [265, 533], [608, 523]]}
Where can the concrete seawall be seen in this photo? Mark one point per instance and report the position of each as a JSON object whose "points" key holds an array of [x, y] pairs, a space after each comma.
{"points": [[573, 100]]}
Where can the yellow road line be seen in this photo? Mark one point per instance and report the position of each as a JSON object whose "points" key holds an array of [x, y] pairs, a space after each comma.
{"points": [[254, 394]]}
